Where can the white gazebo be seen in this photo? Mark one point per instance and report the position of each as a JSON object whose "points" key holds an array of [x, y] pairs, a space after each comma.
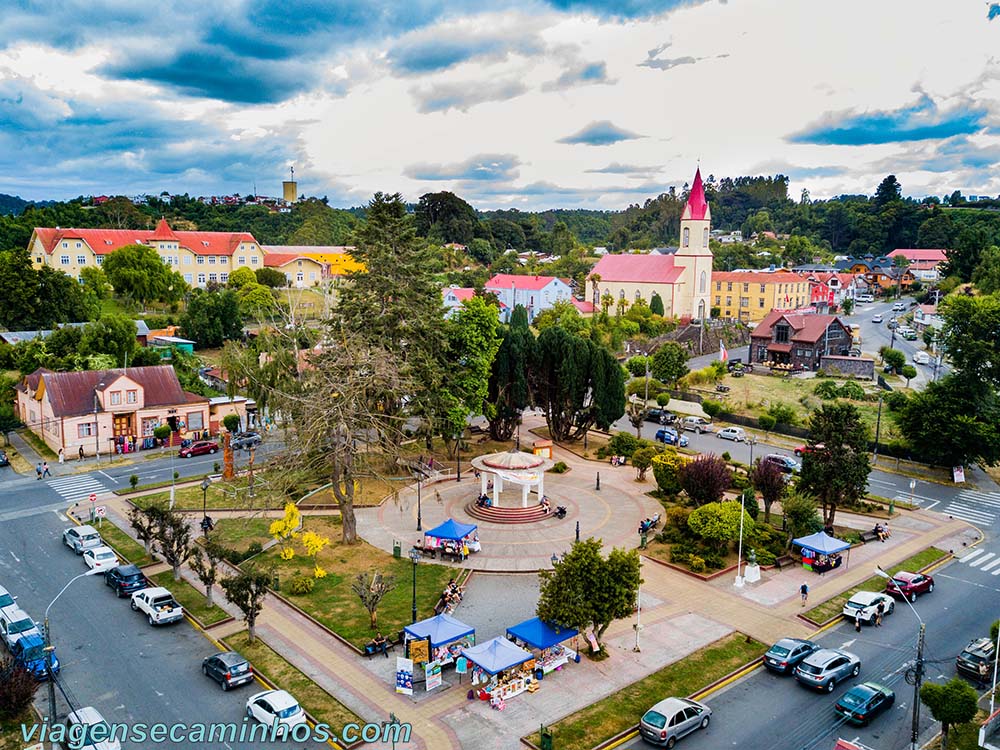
{"points": [[525, 470]]}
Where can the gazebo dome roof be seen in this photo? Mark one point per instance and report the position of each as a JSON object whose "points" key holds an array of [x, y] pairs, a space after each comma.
{"points": [[512, 460]]}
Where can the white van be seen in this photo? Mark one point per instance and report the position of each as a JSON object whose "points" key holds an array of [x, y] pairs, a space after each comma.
{"points": [[864, 298], [921, 358]]}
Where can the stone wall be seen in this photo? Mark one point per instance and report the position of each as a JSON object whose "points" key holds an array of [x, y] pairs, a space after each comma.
{"points": [[847, 366]]}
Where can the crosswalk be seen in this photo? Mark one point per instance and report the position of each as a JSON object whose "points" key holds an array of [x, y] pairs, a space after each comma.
{"points": [[979, 508], [77, 487], [983, 560]]}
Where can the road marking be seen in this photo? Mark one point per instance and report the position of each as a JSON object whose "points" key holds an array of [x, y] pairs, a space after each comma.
{"points": [[936, 502], [992, 564], [974, 553], [972, 515], [79, 487], [981, 560], [108, 476], [14, 556]]}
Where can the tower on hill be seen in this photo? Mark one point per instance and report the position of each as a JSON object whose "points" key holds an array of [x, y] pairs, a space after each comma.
{"points": [[290, 188]]}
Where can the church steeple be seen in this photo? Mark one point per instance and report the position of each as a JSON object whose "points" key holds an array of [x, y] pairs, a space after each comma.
{"points": [[697, 207]]}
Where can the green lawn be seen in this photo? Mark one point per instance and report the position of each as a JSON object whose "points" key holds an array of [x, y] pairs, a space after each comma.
{"points": [[320, 704], [224, 494], [622, 710], [334, 604], [10, 731], [832, 608], [239, 533], [123, 544], [190, 598]]}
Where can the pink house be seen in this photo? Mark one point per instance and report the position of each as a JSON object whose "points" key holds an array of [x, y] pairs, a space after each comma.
{"points": [[108, 410]]}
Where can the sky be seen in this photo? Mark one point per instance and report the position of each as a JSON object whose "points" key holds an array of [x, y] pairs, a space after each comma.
{"points": [[527, 104]]}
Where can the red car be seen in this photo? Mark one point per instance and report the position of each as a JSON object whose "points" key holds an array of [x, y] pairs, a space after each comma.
{"points": [[909, 585], [199, 449], [803, 449]]}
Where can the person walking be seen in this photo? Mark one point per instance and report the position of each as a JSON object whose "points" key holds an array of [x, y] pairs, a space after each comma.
{"points": [[804, 592], [62, 458], [857, 622], [81, 452], [879, 611], [38, 471], [984, 673], [45, 469]]}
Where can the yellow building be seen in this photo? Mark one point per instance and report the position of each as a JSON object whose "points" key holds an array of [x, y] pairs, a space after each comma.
{"points": [[751, 295], [336, 258], [200, 257], [300, 270]]}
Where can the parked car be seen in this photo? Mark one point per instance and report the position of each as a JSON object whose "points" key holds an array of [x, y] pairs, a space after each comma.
{"points": [[921, 358], [29, 652], [786, 463], [15, 624], [661, 416], [84, 739], [909, 334], [670, 436], [979, 651], [673, 718], [80, 538], [899, 307], [784, 655], [866, 603], [732, 433], [158, 604], [823, 669], [804, 449], [893, 324], [199, 448], [125, 579], [4, 461], [100, 558], [864, 298], [909, 585], [696, 424], [275, 705], [229, 669], [6, 599], [877, 318], [864, 702], [245, 440]]}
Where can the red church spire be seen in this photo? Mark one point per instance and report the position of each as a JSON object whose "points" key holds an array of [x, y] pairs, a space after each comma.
{"points": [[163, 232], [697, 206]]}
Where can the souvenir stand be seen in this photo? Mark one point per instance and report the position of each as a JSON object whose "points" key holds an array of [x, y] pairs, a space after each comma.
{"points": [[450, 536], [447, 637], [506, 670], [537, 634], [821, 552]]}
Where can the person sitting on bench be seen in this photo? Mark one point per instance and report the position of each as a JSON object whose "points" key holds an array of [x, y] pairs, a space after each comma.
{"points": [[545, 504], [378, 644]]}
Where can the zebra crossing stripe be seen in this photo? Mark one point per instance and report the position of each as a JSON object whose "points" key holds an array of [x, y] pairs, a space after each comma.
{"points": [[981, 560], [970, 514], [993, 502], [992, 564], [974, 553]]}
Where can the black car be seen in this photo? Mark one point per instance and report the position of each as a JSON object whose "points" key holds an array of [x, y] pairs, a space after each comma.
{"points": [[229, 669], [4, 461], [125, 579], [784, 655], [245, 440], [660, 416], [979, 651]]}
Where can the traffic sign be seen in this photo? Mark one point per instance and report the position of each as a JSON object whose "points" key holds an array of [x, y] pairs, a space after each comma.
{"points": [[102, 511], [93, 497]]}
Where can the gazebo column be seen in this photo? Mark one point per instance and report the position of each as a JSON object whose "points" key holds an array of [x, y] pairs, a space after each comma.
{"points": [[541, 485], [497, 486], [524, 495], [482, 482]]}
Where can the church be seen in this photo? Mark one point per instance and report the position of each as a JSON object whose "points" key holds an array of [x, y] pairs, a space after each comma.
{"points": [[682, 280]]}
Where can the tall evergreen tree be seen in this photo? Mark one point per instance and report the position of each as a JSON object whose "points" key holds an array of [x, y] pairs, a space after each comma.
{"points": [[508, 393], [837, 472]]}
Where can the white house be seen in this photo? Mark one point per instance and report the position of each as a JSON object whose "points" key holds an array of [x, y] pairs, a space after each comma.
{"points": [[534, 293], [925, 316]]}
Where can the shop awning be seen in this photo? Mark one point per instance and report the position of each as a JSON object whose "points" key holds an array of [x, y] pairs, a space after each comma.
{"points": [[539, 634], [451, 529], [441, 630], [496, 655], [779, 347], [822, 543]]}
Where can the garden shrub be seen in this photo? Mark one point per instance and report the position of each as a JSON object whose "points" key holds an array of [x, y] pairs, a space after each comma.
{"points": [[726, 456], [852, 390], [662, 399], [712, 408], [559, 467], [765, 557], [712, 561], [697, 564], [766, 422], [301, 585], [896, 400], [623, 444], [666, 468], [826, 389], [782, 413]]}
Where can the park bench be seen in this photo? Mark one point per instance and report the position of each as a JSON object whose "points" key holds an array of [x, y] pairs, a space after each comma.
{"points": [[784, 561], [868, 536]]}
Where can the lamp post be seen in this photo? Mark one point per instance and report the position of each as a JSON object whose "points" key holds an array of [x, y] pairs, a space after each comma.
{"points": [[638, 610], [414, 557], [878, 428], [49, 648], [205, 484], [97, 439], [420, 521], [751, 441], [918, 670], [738, 583], [458, 453]]}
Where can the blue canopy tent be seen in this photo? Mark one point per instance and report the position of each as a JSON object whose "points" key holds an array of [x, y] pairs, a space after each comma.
{"points": [[441, 629], [496, 655], [823, 544], [451, 529], [539, 634]]}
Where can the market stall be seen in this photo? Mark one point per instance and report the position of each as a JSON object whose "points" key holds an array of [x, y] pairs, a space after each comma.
{"points": [[506, 670], [538, 634], [821, 552], [446, 636], [453, 538]]}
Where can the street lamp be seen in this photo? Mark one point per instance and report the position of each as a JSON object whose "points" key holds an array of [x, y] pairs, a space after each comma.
{"points": [[205, 484], [458, 449], [738, 583], [414, 558], [918, 671], [419, 476], [751, 441], [48, 643], [97, 439]]}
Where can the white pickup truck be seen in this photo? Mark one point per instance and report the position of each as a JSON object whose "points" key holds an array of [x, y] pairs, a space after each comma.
{"points": [[158, 604]]}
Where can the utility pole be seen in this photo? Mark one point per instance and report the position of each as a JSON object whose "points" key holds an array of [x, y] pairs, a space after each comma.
{"points": [[918, 674]]}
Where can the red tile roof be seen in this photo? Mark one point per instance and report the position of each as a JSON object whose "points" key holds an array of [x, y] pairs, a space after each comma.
{"points": [[921, 253], [163, 232], [806, 328], [276, 260], [584, 307], [72, 393], [104, 241], [697, 206], [507, 280], [460, 293], [642, 269], [758, 277]]}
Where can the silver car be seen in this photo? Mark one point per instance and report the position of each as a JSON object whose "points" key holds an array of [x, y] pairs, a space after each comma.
{"points": [[823, 669], [673, 718], [79, 538]]}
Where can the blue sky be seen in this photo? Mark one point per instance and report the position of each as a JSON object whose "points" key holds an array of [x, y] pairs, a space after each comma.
{"points": [[510, 103]]}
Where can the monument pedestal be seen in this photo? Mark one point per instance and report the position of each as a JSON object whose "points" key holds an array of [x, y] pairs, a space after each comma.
{"points": [[751, 573]]}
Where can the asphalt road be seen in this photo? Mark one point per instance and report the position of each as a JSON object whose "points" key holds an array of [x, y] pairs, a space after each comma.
{"points": [[111, 657], [764, 710]]}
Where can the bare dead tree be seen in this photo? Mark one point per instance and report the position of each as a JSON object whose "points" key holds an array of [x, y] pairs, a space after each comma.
{"points": [[371, 588]]}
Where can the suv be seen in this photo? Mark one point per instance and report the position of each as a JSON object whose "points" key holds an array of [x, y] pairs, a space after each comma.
{"points": [[245, 440], [864, 298], [670, 436], [229, 669], [899, 307], [15, 624], [88, 717], [696, 424], [824, 668], [29, 652], [660, 415], [79, 538], [787, 464], [125, 579], [979, 651], [909, 585], [909, 334], [199, 449], [784, 655]]}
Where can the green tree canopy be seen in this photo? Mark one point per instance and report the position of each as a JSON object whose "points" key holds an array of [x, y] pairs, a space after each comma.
{"points": [[444, 217], [473, 336], [970, 336], [212, 318], [241, 277], [270, 277], [508, 394], [718, 523], [587, 590], [837, 472], [656, 304], [113, 335], [669, 363], [137, 272], [986, 277], [955, 702]]}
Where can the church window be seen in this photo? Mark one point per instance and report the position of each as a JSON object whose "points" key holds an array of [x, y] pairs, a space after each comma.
{"points": [[621, 294], [702, 285], [638, 296], [686, 237], [704, 239]]}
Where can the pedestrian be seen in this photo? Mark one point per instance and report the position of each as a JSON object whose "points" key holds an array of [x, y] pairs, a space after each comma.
{"points": [[857, 622], [38, 471], [62, 458], [81, 452], [879, 611], [804, 592], [45, 469], [984, 672]]}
